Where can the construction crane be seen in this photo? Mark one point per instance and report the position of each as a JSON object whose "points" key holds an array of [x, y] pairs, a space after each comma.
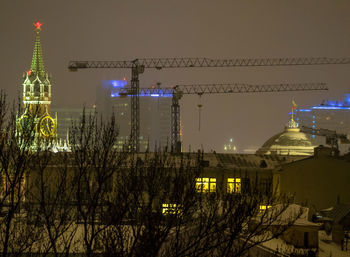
{"points": [[230, 88], [332, 137], [138, 66]]}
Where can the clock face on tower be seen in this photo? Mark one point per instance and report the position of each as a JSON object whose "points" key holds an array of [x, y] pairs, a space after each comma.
{"points": [[25, 123], [47, 126]]}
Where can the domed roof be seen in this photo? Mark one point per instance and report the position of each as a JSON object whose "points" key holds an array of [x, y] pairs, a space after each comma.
{"points": [[290, 142]]}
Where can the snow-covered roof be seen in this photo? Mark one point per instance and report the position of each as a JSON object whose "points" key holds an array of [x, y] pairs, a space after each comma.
{"points": [[337, 213], [248, 161], [292, 214]]}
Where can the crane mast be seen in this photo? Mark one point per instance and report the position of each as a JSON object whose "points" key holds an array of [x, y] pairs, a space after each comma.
{"points": [[199, 89], [137, 67]]}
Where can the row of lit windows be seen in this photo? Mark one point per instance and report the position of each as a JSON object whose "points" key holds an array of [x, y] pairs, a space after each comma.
{"points": [[234, 185], [263, 208], [208, 185], [176, 209], [202, 185], [171, 209]]}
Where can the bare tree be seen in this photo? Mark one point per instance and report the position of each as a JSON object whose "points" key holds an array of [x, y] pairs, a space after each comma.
{"points": [[97, 200], [16, 156], [168, 216], [94, 165], [51, 205]]}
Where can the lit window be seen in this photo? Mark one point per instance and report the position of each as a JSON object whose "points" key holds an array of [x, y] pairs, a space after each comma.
{"points": [[206, 185], [233, 185], [171, 209], [263, 208]]}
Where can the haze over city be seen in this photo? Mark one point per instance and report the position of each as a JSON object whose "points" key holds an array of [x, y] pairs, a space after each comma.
{"points": [[125, 30], [230, 131]]}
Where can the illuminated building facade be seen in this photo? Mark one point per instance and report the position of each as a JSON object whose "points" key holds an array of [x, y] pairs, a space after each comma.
{"points": [[37, 95], [155, 115], [332, 115]]}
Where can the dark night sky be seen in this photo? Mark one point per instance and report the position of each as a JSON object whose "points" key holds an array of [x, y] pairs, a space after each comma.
{"points": [[125, 30]]}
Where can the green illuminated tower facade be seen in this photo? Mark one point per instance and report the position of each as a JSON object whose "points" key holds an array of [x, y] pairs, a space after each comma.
{"points": [[37, 94]]}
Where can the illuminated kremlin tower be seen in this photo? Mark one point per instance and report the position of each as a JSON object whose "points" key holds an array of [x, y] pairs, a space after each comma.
{"points": [[37, 94]]}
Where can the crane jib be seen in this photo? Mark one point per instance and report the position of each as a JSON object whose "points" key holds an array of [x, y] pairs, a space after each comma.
{"points": [[137, 67], [160, 63], [222, 89]]}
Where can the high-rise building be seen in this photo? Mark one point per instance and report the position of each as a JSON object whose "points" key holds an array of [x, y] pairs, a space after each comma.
{"points": [[330, 114], [37, 95], [66, 117], [155, 115]]}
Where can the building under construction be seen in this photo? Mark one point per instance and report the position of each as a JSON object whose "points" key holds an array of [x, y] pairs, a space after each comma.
{"points": [[330, 114], [154, 119]]}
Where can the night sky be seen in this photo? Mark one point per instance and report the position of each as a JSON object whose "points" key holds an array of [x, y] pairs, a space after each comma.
{"points": [[125, 30]]}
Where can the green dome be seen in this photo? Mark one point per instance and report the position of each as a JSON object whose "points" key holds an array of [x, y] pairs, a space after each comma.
{"points": [[289, 142]]}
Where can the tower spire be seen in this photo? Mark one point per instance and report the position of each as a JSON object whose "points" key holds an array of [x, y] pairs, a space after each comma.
{"points": [[37, 68], [292, 123], [37, 95]]}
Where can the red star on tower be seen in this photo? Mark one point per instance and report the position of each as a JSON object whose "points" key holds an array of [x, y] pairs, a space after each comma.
{"points": [[38, 25]]}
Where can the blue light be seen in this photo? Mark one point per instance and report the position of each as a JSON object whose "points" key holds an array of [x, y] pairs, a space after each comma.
{"points": [[334, 103], [160, 94], [114, 83], [117, 87], [347, 99], [331, 108], [143, 94], [305, 110], [331, 103], [118, 83], [342, 103]]}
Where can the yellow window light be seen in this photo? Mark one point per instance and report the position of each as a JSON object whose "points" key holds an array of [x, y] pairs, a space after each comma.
{"points": [[264, 207], [171, 209], [206, 184], [233, 185]]}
